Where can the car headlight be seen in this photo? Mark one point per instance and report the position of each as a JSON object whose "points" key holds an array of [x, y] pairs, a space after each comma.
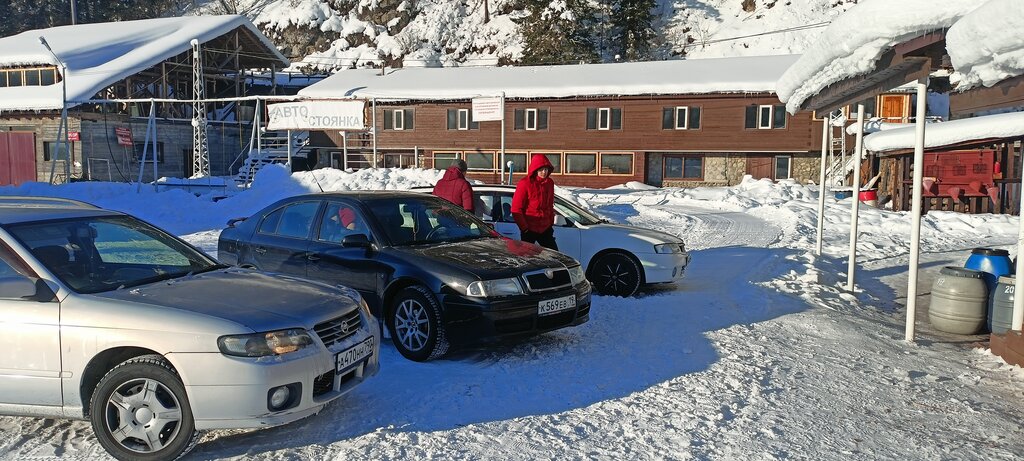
{"points": [[669, 248], [264, 344], [576, 275], [490, 288]]}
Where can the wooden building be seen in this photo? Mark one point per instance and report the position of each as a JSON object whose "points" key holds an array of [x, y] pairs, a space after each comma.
{"points": [[82, 64], [666, 123]]}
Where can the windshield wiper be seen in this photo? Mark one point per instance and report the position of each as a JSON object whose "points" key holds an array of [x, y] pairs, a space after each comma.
{"points": [[209, 268], [153, 279]]}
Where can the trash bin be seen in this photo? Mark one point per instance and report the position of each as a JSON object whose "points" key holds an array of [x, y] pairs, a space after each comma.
{"points": [[1000, 305], [993, 262], [842, 193], [869, 197], [959, 301]]}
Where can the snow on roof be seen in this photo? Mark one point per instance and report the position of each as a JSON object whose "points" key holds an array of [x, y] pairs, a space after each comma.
{"points": [[855, 40], [98, 55], [986, 45], [689, 76], [1007, 125]]}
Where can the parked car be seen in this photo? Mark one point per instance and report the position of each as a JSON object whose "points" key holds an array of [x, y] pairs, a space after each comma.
{"points": [[438, 277], [618, 258], [107, 318]]}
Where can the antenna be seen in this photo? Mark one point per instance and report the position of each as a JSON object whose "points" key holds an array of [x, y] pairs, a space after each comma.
{"points": [[313, 173]]}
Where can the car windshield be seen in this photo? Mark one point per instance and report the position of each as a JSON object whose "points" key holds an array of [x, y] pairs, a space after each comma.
{"points": [[422, 220], [575, 213], [96, 254]]}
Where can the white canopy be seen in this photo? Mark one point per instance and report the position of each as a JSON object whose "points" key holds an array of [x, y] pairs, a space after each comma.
{"points": [[947, 133]]}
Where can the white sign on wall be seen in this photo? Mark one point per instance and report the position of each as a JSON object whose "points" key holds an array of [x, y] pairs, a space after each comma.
{"points": [[317, 115], [486, 109]]}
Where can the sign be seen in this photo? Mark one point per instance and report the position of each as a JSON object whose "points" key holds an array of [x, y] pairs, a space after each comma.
{"points": [[124, 135], [486, 109], [74, 136], [317, 115]]}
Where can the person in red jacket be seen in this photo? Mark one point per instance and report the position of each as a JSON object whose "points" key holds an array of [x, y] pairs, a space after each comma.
{"points": [[454, 187], [533, 204]]}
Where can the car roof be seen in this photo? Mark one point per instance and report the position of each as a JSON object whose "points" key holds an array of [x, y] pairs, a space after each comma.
{"points": [[20, 209], [474, 186], [360, 194]]}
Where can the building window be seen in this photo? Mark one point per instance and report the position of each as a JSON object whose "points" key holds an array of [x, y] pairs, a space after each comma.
{"points": [[443, 160], [531, 119], [604, 118], [556, 162], [518, 162], [783, 166], [680, 118], [481, 161], [581, 163], [617, 164], [688, 167], [139, 146], [461, 119], [765, 117], [50, 151], [35, 76], [398, 119]]}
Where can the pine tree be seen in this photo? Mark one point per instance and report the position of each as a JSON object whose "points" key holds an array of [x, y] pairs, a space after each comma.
{"points": [[632, 28], [558, 32]]}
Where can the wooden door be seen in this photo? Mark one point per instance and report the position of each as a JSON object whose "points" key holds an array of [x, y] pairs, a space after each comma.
{"points": [[760, 166], [894, 108], [17, 158]]}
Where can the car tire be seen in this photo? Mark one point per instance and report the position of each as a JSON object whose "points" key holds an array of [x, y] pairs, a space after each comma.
{"points": [[615, 274], [416, 326], [145, 398]]}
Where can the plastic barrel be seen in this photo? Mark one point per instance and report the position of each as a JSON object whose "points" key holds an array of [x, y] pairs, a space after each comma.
{"points": [[1000, 311], [869, 196], [994, 263], [959, 301]]}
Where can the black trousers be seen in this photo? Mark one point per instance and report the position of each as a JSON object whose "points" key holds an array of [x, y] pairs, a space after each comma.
{"points": [[545, 239]]}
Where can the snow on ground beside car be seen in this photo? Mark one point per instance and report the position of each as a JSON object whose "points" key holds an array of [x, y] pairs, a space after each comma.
{"points": [[758, 353]]}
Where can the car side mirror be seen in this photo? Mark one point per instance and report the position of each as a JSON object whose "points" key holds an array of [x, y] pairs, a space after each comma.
{"points": [[356, 241], [560, 221], [17, 288]]}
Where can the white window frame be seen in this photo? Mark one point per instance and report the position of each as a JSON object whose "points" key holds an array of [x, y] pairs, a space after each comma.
{"points": [[527, 118], [789, 166], [685, 118], [604, 118], [463, 119], [398, 119], [764, 122]]}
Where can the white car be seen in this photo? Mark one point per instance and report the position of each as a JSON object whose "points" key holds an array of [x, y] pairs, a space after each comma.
{"points": [[618, 259]]}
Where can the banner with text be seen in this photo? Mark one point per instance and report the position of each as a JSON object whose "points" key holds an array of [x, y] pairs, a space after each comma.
{"points": [[317, 115], [486, 109]]}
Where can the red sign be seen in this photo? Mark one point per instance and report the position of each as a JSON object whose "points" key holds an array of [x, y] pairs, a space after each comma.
{"points": [[74, 136], [124, 135]]}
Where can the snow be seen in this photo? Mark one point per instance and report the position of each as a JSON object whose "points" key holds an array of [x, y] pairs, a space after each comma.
{"points": [[759, 353], [851, 45], [100, 54], [999, 126], [986, 46], [689, 76]]}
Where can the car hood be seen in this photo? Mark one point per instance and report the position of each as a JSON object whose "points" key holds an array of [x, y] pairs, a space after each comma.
{"points": [[491, 258], [649, 235], [257, 300]]}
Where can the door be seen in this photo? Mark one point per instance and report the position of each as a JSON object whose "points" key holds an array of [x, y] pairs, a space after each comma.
{"points": [[330, 262], [496, 208], [282, 238], [894, 108], [760, 166], [567, 236], [17, 158], [29, 344]]}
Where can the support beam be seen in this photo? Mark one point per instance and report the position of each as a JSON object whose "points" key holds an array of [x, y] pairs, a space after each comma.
{"points": [[825, 128], [858, 154], [915, 208]]}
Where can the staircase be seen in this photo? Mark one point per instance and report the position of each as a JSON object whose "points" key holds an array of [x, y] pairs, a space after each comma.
{"points": [[841, 161], [273, 148]]}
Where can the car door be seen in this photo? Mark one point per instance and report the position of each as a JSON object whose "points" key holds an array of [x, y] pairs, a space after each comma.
{"points": [[29, 343], [332, 262], [567, 235], [281, 240], [496, 208]]}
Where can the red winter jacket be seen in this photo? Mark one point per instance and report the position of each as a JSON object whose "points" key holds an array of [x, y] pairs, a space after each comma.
{"points": [[533, 205], [454, 188]]}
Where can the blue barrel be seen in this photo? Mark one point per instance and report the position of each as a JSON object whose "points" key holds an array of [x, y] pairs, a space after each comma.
{"points": [[993, 262], [1000, 306]]}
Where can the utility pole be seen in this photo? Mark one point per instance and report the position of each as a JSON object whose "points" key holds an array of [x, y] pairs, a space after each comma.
{"points": [[63, 143], [74, 13]]}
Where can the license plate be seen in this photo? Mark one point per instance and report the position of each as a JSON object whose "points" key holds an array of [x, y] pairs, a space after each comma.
{"points": [[550, 306], [353, 355]]}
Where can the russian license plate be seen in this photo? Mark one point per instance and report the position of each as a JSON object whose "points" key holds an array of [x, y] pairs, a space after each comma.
{"points": [[353, 355], [550, 306]]}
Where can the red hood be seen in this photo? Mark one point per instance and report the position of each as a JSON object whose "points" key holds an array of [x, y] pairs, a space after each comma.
{"points": [[453, 172], [537, 162]]}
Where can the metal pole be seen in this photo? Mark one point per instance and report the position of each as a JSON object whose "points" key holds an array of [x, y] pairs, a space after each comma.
{"points": [[63, 143], [156, 158], [915, 209], [373, 130], [289, 141], [502, 163], [821, 185], [74, 13], [851, 268], [1017, 320]]}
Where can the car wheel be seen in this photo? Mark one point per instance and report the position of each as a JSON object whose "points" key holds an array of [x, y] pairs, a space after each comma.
{"points": [[615, 274], [139, 411], [415, 325]]}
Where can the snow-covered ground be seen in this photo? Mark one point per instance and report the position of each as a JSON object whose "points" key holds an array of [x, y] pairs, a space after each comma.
{"points": [[758, 354]]}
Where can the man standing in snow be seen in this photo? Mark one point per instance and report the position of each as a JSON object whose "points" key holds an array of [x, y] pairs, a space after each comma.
{"points": [[533, 204], [454, 187]]}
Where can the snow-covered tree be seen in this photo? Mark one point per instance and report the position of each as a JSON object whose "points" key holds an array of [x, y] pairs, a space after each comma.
{"points": [[632, 28], [558, 32]]}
